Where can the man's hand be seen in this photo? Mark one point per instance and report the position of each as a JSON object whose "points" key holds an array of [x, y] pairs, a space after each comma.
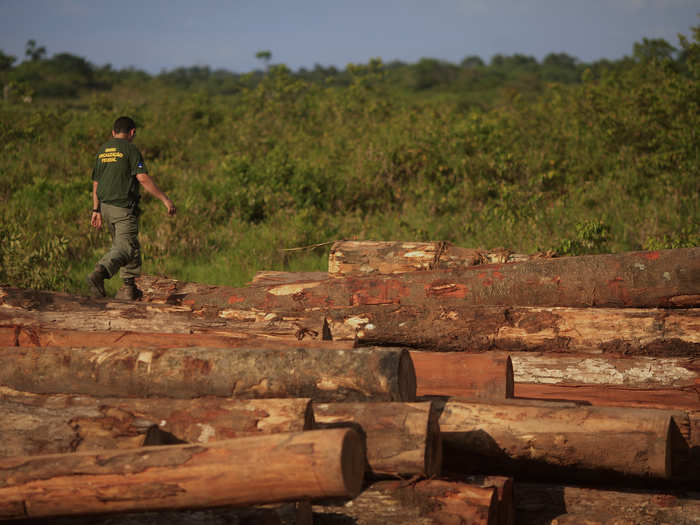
{"points": [[96, 220], [169, 204]]}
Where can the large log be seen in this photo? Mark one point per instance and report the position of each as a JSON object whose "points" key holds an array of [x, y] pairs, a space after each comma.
{"points": [[427, 502], [298, 513], [564, 504], [487, 375], [33, 424], [237, 472], [632, 372], [326, 375], [19, 307], [402, 438], [629, 331], [610, 395], [667, 278], [392, 257], [535, 439], [43, 335]]}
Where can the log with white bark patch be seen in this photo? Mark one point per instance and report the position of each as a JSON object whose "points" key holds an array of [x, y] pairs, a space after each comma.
{"points": [[237, 472], [325, 375], [632, 331], [391, 257], [487, 375], [541, 438], [402, 438], [33, 424], [666, 278], [268, 277]]}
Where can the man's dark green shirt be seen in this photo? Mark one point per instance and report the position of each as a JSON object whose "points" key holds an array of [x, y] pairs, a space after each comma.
{"points": [[116, 167]]}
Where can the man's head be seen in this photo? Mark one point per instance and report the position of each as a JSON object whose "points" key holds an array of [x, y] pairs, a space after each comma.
{"points": [[124, 128]]}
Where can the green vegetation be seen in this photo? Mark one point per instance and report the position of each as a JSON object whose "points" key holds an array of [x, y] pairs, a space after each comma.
{"points": [[562, 156]]}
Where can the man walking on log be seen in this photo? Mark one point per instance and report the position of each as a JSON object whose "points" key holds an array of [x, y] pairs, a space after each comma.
{"points": [[118, 170]]}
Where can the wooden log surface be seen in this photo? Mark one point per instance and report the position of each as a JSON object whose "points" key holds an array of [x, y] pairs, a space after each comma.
{"points": [[514, 436], [403, 439], [628, 331], [633, 372], [391, 257], [297, 513], [33, 424], [666, 278], [325, 375], [237, 472], [43, 335], [565, 504], [486, 375], [268, 277], [20, 307], [427, 502], [504, 494]]}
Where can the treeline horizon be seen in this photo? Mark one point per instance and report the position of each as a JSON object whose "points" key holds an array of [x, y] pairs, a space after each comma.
{"points": [[558, 157], [67, 75]]}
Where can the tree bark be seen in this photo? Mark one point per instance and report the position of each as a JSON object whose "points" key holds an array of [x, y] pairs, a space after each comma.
{"points": [[427, 502], [298, 513], [325, 375], [629, 331], [504, 495], [402, 438], [43, 335], [33, 424], [354, 258], [667, 278], [562, 504], [523, 438], [631, 372], [239, 472], [64, 311], [269, 277], [487, 376]]}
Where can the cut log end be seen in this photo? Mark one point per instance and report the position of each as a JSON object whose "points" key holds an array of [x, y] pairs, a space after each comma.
{"points": [[352, 462], [433, 446], [407, 378]]}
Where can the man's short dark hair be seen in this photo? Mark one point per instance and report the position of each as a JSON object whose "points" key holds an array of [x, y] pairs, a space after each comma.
{"points": [[123, 125]]}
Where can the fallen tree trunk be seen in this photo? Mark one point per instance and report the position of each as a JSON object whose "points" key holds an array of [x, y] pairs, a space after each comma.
{"points": [[422, 503], [324, 375], [402, 438], [460, 374], [610, 395], [33, 424], [550, 503], [353, 258], [547, 440], [629, 331], [632, 372], [243, 471], [43, 335], [667, 278], [298, 513], [20, 307]]}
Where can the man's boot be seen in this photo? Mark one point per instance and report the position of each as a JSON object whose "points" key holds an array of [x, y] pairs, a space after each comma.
{"points": [[129, 291], [96, 281]]}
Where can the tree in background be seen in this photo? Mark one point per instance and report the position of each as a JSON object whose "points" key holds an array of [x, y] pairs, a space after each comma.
{"points": [[33, 52]]}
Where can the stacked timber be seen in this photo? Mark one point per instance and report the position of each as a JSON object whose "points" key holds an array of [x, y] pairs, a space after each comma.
{"points": [[466, 375]]}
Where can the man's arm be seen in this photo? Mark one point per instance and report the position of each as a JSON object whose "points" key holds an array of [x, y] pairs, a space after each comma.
{"points": [[96, 220], [151, 187]]}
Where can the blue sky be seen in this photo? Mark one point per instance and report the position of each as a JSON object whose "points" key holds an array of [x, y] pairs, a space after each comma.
{"points": [[163, 34]]}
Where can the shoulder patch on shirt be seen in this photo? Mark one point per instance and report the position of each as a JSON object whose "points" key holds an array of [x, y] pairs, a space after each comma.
{"points": [[139, 165]]}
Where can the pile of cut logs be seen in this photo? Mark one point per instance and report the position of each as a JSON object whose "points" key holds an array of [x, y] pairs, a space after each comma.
{"points": [[412, 383]]}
